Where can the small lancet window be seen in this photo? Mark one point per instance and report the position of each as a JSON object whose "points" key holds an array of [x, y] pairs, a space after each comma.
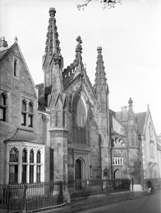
{"points": [[15, 68], [38, 157], [32, 156]]}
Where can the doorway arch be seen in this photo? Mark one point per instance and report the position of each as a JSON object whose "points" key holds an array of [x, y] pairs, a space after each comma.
{"points": [[117, 174], [78, 169], [78, 173]]}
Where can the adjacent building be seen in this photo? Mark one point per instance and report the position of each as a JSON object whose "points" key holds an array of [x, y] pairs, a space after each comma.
{"points": [[134, 146]]}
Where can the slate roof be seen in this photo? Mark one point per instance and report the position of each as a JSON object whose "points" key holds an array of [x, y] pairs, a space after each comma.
{"points": [[22, 135], [40, 88], [122, 116], [158, 146], [3, 52], [140, 117], [140, 121], [41, 106]]}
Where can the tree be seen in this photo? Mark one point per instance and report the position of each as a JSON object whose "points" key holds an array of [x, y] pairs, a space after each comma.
{"points": [[105, 3]]}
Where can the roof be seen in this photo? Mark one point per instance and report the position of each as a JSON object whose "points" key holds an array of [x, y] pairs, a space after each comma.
{"points": [[41, 106], [122, 116], [3, 52], [24, 135], [140, 121], [158, 146], [40, 88], [140, 117]]}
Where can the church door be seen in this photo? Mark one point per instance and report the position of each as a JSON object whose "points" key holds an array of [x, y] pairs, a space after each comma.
{"points": [[78, 173], [117, 174]]}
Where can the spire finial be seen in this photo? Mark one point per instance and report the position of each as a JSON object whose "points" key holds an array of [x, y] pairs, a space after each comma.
{"points": [[100, 69], [52, 41], [130, 102], [78, 50], [79, 40], [99, 50], [52, 11], [148, 107], [79, 46], [16, 39]]}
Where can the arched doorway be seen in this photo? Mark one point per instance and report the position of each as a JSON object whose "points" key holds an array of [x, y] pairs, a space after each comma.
{"points": [[117, 174], [78, 173]]}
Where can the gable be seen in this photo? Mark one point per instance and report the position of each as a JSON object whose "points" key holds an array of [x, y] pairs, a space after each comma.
{"points": [[82, 83], [15, 73]]}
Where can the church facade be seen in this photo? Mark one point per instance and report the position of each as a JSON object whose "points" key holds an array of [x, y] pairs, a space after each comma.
{"points": [[63, 128]]}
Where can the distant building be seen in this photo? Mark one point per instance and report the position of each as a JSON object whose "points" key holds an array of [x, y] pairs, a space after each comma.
{"points": [[63, 129], [159, 154], [134, 146]]}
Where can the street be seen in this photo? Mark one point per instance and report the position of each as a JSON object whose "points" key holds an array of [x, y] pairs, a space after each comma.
{"points": [[146, 204]]}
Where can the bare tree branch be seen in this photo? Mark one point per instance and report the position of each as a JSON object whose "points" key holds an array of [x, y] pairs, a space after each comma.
{"points": [[105, 3]]}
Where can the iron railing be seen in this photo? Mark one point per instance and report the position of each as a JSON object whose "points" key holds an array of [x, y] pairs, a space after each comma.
{"points": [[28, 197], [25, 197], [85, 188]]}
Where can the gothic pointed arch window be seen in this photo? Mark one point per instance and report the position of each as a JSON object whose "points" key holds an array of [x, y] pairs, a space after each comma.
{"points": [[24, 162], [38, 167], [15, 68], [31, 173], [24, 165], [13, 165], [64, 113], [79, 121]]}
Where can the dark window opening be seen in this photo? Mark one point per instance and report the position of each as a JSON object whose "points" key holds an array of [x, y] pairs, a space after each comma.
{"points": [[14, 155], [15, 68], [38, 174], [31, 175], [13, 174], [24, 113], [24, 155], [38, 157], [30, 120], [3, 106], [24, 173], [31, 156]]}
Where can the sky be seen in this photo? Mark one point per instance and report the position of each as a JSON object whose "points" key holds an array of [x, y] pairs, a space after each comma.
{"points": [[129, 34]]}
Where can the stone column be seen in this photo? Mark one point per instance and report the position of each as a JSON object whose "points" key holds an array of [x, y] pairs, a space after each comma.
{"points": [[58, 137]]}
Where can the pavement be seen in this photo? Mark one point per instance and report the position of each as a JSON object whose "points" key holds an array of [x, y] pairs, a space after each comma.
{"points": [[97, 201]]}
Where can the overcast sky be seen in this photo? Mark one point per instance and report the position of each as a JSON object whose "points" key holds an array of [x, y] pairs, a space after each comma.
{"points": [[130, 36]]}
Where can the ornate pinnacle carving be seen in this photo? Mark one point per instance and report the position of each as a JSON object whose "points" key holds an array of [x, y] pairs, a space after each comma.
{"points": [[100, 73], [130, 102], [79, 46], [52, 41], [99, 50], [78, 50]]}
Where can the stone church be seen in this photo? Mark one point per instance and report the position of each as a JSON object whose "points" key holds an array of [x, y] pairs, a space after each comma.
{"points": [[63, 128]]}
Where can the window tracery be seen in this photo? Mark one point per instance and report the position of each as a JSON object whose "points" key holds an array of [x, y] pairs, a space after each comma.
{"points": [[79, 121], [25, 164]]}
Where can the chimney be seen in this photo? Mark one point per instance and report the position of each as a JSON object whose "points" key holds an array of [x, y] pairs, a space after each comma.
{"points": [[3, 42]]}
